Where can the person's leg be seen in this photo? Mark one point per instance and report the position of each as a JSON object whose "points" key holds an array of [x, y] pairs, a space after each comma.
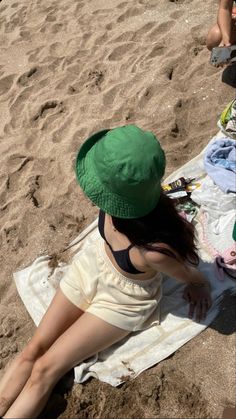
{"points": [[87, 336], [214, 37], [59, 316]]}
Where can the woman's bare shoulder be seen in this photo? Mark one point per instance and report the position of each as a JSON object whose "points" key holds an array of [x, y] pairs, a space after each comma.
{"points": [[156, 256]]}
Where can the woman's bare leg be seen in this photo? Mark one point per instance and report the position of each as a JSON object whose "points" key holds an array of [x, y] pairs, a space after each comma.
{"points": [[59, 316], [214, 36], [87, 336]]}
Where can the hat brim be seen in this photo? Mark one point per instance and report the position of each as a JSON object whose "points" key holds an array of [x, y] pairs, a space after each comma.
{"points": [[87, 145]]}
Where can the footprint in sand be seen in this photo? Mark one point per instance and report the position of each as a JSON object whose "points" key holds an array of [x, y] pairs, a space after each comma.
{"points": [[124, 37], [122, 5], [56, 48], [8, 329], [9, 326], [156, 51], [6, 83], [161, 30], [33, 188], [144, 31], [101, 12], [176, 14], [18, 165], [25, 35], [17, 162], [17, 109], [198, 34], [3, 8], [50, 17], [120, 51], [24, 79], [29, 190], [34, 54], [12, 238], [133, 11], [49, 9], [109, 26], [46, 109], [58, 27], [17, 20], [101, 40]]}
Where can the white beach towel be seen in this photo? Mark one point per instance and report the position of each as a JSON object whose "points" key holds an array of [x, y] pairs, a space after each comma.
{"points": [[125, 360]]}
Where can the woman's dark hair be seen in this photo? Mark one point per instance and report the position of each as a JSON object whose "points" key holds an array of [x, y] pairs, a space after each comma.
{"points": [[162, 225]]}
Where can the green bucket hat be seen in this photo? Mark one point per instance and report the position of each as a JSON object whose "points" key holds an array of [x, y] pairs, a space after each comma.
{"points": [[120, 171]]}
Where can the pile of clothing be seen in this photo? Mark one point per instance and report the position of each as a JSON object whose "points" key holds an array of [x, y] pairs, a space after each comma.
{"points": [[208, 195]]}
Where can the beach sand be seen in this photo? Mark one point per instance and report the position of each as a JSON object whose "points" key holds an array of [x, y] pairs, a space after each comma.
{"points": [[68, 69]]}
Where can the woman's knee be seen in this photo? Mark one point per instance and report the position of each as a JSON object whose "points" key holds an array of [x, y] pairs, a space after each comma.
{"points": [[31, 352], [214, 37], [44, 373]]}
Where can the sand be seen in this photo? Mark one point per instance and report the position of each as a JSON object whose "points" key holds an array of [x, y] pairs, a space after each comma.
{"points": [[68, 69]]}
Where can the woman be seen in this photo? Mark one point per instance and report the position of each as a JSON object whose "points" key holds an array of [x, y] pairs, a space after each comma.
{"points": [[223, 33], [114, 286]]}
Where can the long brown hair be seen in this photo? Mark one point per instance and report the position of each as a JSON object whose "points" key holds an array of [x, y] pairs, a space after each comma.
{"points": [[163, 225]]}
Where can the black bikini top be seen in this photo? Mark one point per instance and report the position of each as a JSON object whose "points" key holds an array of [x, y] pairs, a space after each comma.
{"points": [[122, 257]]}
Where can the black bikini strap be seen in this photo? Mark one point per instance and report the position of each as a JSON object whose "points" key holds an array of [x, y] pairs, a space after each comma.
{"points": [[130, 246]]}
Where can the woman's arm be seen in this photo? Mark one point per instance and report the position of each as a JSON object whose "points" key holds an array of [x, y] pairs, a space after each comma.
{"points": [[224, 21], [197, 291], [175, 268]]}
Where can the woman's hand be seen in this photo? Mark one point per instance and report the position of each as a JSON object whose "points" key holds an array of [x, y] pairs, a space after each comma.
{"points": [[199, 298], [197, 291]]}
